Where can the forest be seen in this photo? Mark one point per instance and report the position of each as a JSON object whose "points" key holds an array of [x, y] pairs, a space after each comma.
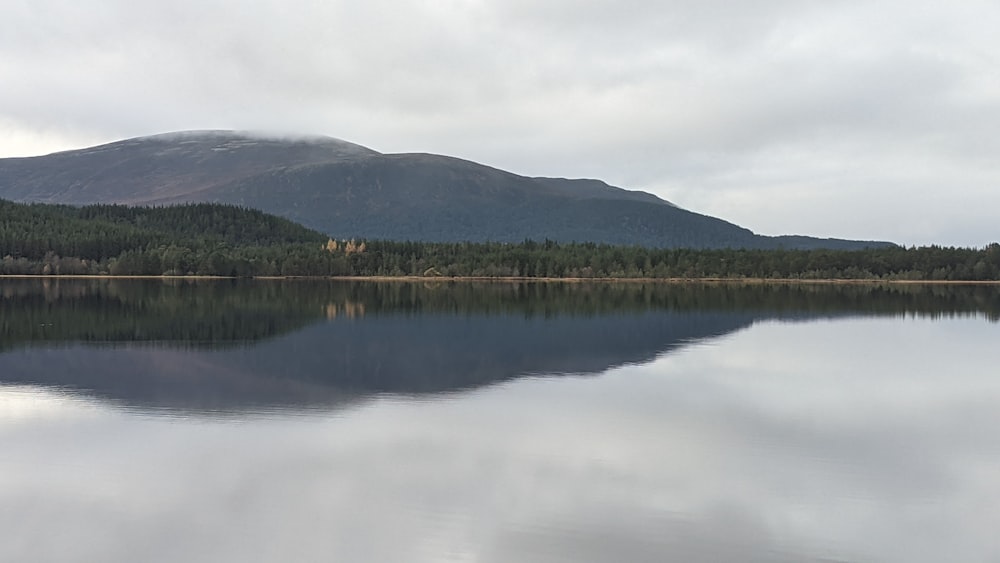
{"points": [[226, 240]]}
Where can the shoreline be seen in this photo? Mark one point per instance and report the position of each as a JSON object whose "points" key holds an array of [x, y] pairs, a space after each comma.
{"points": [[513, 279]]}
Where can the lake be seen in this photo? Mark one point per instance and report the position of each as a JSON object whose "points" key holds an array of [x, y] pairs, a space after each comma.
{"points": [[225, 421]]}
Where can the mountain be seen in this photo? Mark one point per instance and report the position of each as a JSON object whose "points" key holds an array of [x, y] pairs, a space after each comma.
{"points": [[350, 191]]}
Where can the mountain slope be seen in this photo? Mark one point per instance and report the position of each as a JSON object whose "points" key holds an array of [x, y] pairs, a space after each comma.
{"points": [[436, 198], [347, 190], [168, 166]]}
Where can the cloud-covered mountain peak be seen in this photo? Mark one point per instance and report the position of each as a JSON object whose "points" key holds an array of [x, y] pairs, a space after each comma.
{"points": [[226, 141]]}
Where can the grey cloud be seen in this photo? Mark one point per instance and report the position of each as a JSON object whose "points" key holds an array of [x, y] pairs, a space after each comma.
{"points": [[664, 96]]}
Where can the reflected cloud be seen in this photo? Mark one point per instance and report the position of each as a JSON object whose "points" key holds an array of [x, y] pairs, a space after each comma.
{"points": [[705, 454]]}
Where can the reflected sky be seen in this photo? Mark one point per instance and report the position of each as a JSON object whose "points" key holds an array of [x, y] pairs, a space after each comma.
{"points": [[861, 439]]}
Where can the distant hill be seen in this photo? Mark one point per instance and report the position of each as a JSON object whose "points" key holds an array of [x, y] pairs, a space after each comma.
{"points": [[93, 231], [204, 238], [349, 191]]}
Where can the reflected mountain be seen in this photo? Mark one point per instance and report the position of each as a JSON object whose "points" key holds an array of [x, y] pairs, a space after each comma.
{"points": [[233, 346]]}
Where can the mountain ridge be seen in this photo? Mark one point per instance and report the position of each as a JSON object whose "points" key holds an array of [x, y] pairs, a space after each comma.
{"points": [[347, 190]]}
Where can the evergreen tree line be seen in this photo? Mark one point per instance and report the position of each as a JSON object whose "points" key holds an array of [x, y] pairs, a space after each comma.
{"points": [[223, 240], [588, 260]]}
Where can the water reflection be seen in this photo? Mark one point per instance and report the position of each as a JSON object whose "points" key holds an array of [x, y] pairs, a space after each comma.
{"points": [[811, 427], [230, 346]]}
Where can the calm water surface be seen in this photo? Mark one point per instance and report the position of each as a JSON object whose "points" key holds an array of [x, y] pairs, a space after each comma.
{"points": [[242, 422]]}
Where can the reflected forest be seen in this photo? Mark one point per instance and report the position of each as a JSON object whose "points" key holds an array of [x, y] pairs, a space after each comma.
{"points": [[232, 344]]}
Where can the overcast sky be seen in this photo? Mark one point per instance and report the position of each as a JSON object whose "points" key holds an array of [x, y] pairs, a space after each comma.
{"points": [[858, 119]]}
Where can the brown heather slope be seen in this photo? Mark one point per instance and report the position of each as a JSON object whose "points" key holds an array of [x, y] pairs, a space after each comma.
{"points": [[350, 191]]}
